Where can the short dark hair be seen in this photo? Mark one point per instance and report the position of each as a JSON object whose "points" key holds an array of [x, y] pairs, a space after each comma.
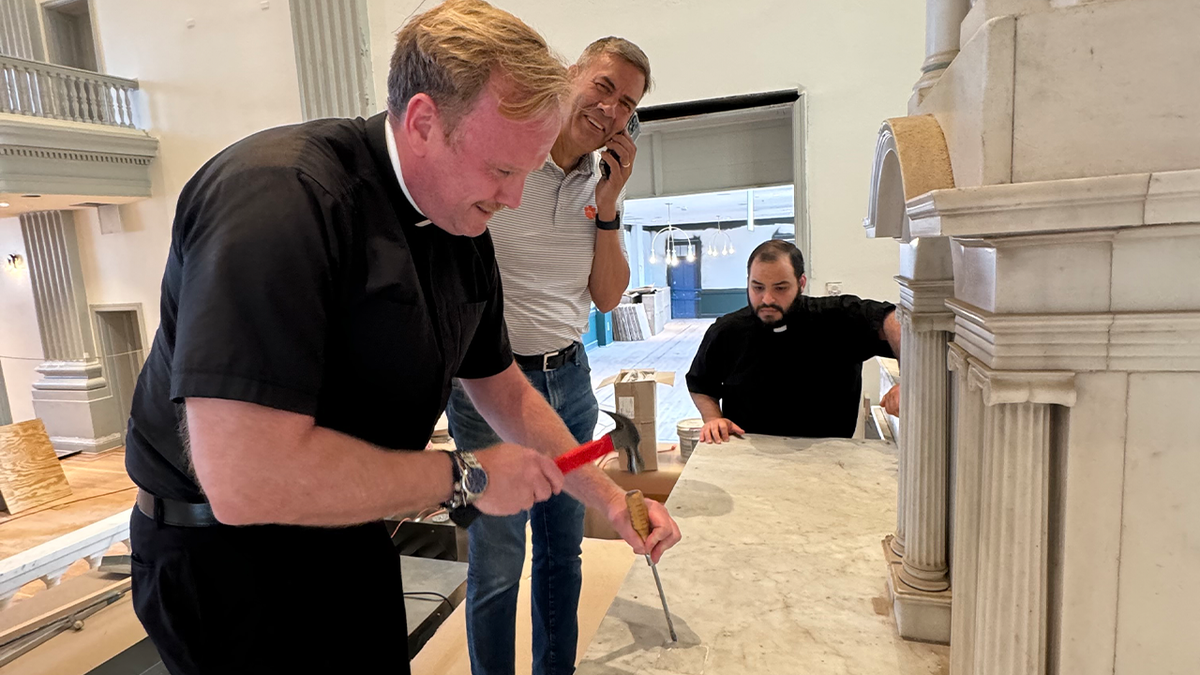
{"points": [[623, 48], [774, 249]]}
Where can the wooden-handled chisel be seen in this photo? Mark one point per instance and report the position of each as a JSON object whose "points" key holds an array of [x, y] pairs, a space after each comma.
{"points": [[641, 524]]}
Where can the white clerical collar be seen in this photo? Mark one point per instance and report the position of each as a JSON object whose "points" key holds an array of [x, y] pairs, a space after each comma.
{"points": [[391, 148]]}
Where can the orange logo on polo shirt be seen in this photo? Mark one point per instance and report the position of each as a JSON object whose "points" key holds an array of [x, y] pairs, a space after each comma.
{"points": [[589, 211]]}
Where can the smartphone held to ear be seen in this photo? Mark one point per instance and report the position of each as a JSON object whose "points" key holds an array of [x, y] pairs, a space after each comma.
{"points": [[632, 129]]}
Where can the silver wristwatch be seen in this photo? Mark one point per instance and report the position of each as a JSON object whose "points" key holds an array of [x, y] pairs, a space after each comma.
{"points": [[470, 480]]}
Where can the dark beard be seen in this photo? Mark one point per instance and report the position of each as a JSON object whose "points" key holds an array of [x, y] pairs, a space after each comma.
{"points": [[784, 314], [764, 322]]}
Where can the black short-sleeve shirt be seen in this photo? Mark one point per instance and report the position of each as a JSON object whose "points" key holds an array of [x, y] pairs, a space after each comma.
{"points": [[298, 279], [802, 377]]}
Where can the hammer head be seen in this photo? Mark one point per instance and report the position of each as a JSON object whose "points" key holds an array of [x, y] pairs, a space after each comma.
{"points": [[626, 438]]}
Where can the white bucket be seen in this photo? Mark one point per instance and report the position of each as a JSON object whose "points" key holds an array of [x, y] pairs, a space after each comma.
{"points": [[689, 435]]}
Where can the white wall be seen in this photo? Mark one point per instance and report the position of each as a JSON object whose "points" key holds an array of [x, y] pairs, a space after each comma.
{"points": [[857, 60], [231, 74], [20, 344]]}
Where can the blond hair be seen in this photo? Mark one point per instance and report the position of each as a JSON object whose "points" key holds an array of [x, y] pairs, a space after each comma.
{"points": [[622, 48], [452, 51]]}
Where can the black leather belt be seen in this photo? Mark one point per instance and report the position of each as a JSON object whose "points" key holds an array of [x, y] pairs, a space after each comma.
{"points": [[549, 360], [178, 514]]}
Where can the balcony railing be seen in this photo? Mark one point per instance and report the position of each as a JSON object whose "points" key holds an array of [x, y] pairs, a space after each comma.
{"points": [[61, 93]]}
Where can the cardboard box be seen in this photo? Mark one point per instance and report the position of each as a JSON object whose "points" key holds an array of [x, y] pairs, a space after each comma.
{"points": [[656, 485], [634, 390]]}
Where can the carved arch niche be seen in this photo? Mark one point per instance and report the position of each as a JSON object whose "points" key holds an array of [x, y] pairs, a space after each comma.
{"points": [[911, 158]]}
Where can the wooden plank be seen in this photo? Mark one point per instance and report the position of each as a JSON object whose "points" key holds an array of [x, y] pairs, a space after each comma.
{"points": [[30, 474], [99, 587], [100, 487]]}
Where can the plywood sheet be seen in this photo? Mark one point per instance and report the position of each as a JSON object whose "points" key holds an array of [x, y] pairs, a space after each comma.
{"points": [[30, 474]]}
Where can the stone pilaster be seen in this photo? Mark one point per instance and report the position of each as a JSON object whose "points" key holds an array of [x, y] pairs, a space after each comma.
{"points": [[73, 399], [966, 448], [1011, 599]]}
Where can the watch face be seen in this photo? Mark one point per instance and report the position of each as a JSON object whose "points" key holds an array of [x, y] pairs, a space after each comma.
{"points": [[475, 480]]}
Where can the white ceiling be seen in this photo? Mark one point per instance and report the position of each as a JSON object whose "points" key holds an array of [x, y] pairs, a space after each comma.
{"points": [[770, 202]]}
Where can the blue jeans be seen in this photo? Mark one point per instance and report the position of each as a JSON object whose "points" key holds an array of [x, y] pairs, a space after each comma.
{"points": [[497, 544]]}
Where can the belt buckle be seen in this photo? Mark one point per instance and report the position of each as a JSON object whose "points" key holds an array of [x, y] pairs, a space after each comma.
{"points": [[546, 360]]}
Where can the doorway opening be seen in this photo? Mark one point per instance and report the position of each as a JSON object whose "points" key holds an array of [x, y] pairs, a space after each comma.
{"points": [[121, 351]]}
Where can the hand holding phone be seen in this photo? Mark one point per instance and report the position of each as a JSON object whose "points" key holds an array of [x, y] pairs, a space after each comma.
{"points": [[632, 129]]}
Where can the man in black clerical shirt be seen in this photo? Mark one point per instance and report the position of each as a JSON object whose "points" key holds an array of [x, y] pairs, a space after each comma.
{"points": [[324, 284], [789, 364]]}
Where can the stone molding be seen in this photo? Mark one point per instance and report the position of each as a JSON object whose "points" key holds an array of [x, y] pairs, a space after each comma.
{"points": [[1108, 341], [1127, 200]]}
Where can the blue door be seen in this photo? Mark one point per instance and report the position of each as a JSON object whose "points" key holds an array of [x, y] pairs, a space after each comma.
{"points": [[684, 281]]}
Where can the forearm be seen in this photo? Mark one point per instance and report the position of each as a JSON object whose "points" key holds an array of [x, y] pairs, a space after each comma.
{"points": [[284, 473], [519, 414], [709, 407], [891, 332], [610, 270]]}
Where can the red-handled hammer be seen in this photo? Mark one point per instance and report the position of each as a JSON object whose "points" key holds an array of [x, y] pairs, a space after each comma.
{"points": [[624, 437]]}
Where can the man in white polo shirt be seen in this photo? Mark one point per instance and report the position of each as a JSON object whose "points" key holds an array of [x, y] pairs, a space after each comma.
{"points": [[559, 252]]}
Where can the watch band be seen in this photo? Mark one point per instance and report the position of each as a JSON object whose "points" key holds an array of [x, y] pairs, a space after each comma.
{"points": [[614, 224], [458, 498]]}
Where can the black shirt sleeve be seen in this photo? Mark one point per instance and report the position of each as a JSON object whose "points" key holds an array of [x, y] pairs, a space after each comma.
{"points": [[489, 352], [862, 323], [710, 365], [258, 264]]}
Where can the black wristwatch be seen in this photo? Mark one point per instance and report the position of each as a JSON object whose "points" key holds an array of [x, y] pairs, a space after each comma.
{"points": [[614, 224]]}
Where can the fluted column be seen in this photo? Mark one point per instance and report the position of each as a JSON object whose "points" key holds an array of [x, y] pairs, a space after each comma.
{"points": [[73, 399], [924, 432], [966, 448], [925, 437], [333, 58], [943, 19], [898, 538], [1011, 603]]}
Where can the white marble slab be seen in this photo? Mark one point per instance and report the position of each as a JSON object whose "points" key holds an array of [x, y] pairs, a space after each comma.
{"points": [[779, 571]]}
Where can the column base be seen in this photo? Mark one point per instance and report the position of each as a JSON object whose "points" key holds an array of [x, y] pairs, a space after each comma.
{"points": [[923, 616], [78, 419]]}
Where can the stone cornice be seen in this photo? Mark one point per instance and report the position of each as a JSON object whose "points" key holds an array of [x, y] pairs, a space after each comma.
{"points": [[1121, 341], [925, 297], [1102, 202], [34, 132]]}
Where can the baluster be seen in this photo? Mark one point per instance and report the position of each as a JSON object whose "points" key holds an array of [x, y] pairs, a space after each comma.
{"points": [[126, 113], [107, 91], [93, 112], [42, 103], [129, 107], [73, 93], [61, 110], [89, 87], [5, 103], [100, 91], [23, 90]]}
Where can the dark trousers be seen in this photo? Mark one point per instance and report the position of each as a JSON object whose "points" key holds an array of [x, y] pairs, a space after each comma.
{"points": [[270, 598]]}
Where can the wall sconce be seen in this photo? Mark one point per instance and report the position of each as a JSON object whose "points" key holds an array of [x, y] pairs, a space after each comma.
{"points": [[14, 263]]}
